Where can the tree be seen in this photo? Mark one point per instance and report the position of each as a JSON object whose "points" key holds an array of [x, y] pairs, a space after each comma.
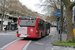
{"points": [[70, 34], [50, 7], [67, 4], [2, 11]]}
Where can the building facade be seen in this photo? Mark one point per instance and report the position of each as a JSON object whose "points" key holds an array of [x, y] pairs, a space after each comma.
{"points": [[9, 22]]}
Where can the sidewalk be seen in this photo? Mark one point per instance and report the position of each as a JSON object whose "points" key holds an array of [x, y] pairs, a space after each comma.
{"points": [[64, 38], [55, 37]]}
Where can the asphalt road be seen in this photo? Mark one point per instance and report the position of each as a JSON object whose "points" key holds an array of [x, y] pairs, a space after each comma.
{"points": [[6, 38], [45, 43], [42, 44], [30, 44]]}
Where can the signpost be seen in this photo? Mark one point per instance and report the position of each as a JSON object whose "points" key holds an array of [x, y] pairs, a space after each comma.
{"points": [[59, 24]]}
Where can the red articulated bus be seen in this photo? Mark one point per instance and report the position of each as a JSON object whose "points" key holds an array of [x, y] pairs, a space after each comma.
{"points": [[32, 27]]}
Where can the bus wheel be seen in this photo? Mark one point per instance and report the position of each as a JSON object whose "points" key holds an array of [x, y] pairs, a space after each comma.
{"points": [[24, 38], [41, 35]]}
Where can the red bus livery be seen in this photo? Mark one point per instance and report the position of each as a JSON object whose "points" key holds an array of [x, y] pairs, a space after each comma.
{"points": [[32, 27]]}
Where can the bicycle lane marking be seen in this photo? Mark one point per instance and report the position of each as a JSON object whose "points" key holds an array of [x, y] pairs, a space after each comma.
{"points": [[18, 45]]}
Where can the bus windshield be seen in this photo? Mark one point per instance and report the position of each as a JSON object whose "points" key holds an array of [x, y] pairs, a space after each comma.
{"points": [[27, 23]]}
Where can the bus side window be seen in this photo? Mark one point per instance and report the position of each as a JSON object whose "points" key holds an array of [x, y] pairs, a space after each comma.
{"points": [[40, 25]]}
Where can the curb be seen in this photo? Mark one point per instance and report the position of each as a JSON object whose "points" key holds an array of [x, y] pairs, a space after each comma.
{"points": [[63, 45]]}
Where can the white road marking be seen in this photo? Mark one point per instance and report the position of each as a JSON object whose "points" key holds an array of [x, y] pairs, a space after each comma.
{"points": [[47, 36], [52, 49], [39, 43], [9, 44], [25, 47], [1, 49]]}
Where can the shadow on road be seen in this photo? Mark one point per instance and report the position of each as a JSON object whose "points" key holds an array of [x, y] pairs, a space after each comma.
{"points": [[33, 39], [37, 39]]}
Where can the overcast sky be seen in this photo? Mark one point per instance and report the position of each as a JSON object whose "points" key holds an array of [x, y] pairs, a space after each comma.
{"points": [[72, 0], [32, 4]]}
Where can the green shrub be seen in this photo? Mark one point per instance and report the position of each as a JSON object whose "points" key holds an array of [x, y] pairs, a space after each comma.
{"points": [[70, 41]]}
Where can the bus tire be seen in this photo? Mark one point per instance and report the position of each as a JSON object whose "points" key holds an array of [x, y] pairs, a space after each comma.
{"points": [[41, 35], [46, 33]]}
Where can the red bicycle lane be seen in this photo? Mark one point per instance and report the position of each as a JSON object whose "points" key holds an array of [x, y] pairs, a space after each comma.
{"points": [[18, 45]]}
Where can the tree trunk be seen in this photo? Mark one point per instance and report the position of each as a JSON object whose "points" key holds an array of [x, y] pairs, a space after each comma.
{"points": [[2, 22], [70, 34]]}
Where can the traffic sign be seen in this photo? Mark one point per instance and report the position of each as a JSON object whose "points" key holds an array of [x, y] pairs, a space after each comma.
{"points": [[55, 14], [58, 13]]}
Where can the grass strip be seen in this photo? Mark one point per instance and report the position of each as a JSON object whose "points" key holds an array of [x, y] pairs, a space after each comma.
{"points": [[66, 43]]}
